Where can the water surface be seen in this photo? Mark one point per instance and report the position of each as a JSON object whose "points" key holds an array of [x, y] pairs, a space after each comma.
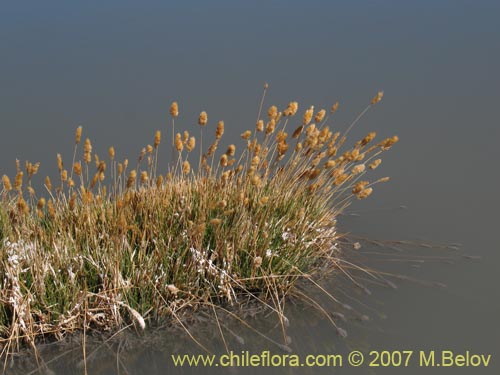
{"points": [[115, 67]]}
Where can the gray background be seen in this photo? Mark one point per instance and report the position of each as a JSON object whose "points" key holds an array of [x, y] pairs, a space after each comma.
{"points": [[115, 66]]}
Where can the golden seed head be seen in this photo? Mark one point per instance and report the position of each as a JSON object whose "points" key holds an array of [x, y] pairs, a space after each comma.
{"points": [[179, 146], [220, 130], [259, 126], [375, 164], [314, 173], [159, 181], [320, 116], [111, 152], [149, 149], [78, 135], [77, 168], [334, 108], [383, 179], [368, 138], [364, 193], [87, 147], [157, 138], [223, 160], [18, 184], [298, 147], [48, 183], [120, 168], [341, 179], [51, 209], [264, 200], [191, 144], [174, 109], [186, 167], [255, 180], [22, 206], [6, 183], [292, 109], [131, 178], [144, 177], [281, 136], [271, 125], [387, 143], [358, 169], [202, 120], [212, 148], [255, 161], [222, 204], [215, 222], [72, 201], [231, 150], [257, 261], [246, 135], [272, 112], [359, 187], [282, 148], [41, 204], [308, 116], [330, 164], [377, 98], [185, 137], [59, 162]]}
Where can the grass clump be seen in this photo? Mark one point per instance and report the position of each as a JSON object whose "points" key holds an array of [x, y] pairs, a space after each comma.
{"points": [[108, 244]]}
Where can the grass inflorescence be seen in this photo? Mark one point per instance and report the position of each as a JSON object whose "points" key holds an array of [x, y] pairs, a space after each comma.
{"points": [[113, 242]]}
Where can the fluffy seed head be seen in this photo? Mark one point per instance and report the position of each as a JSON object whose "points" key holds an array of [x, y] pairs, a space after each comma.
{"points": [[259, 126], [246, 135], [157, 138], [191, 144], [223, 160], [186, 167], [77, 168], [215, 222], [202, 120], [231, 150], [179, 146], [377, 98], [359, 187], [18, 184], [358, 169], [41, 204], [220, 130], [48, 183], [375, 164], [308, 116], [78, 135], [291, 109], [271, 125], [131, 178], [272, 112], [6, 183], [174, 109], [320, 116], [364, 193], [368, 138]]}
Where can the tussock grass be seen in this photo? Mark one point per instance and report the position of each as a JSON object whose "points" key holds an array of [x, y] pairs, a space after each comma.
{"points": [[116, 242]]}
